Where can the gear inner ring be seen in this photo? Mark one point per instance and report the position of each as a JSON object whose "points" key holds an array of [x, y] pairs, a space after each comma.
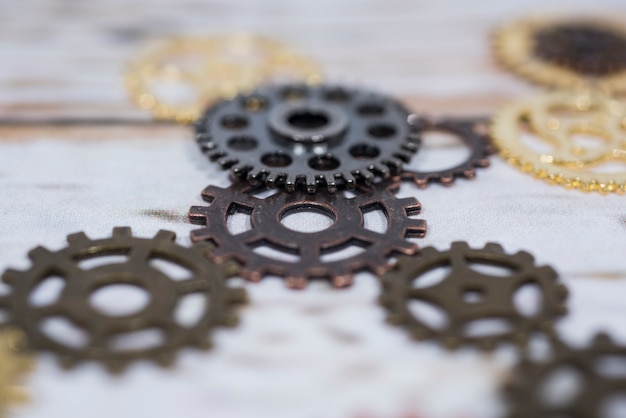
{"points": [[311, 208]]}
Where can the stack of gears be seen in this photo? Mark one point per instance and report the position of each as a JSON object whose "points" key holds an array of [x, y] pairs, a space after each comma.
{"points": [[341, 152]]}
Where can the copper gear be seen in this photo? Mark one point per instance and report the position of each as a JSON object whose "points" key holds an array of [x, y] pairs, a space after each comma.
{"points": [[267, 230], [165, 292], [567, 165], [565, 53], [473, 133], [495, 294], [523, 390], [324, 137], [14, 364]]}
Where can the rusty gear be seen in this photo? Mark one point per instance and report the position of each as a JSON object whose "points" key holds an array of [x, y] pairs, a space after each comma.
{"points": [[473, 133], [466, 295], [267, 230], [528, 378], [565, 53], [14, 363], [296, 136], [102, 329]]}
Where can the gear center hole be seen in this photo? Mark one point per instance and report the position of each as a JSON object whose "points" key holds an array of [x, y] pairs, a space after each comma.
{"points": [[308, 119], [119, 299], [307, 218]]}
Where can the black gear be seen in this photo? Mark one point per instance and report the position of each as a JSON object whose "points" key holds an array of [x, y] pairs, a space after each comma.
{"points": [[311, 136], [523, 390], [267, 230], [473, 133], [73, 304], [493, 294]]}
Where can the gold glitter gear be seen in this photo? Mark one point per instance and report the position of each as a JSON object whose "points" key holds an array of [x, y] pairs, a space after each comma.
{"points": [[14, 363], [196, 71], [571, 53], [555, 119]]}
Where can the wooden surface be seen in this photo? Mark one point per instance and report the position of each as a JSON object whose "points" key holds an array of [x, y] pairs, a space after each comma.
{"points": [[76, 154]]}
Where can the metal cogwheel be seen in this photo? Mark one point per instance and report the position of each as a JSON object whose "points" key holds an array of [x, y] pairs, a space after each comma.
{"points": [[102, 330], [14, 363], [473, 133], [465, 295], [526, 392], [311, 250], [565, 53], [314, 137]]}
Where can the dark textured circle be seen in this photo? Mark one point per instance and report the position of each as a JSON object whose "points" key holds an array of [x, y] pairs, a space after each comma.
{"points": [[276, 159], [234, 122], [585, 48], [323, 120], [242, 143], [324, 163], [382, 131], [364, 151]]}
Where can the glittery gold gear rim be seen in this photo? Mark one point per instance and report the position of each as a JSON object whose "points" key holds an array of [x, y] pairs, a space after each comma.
{"points": [[512, 46], [213, 85], [506, 139], [14, 363]]}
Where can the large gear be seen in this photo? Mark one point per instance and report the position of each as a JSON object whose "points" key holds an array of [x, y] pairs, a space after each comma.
{"points": [[296, 136], [267, 230], [466, 295], [565, 53], [473, 133], [209, 69], [525, 389], [14, 363], [101, 328], [567, 163]]}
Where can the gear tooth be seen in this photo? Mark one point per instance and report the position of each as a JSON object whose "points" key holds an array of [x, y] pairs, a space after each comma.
{"points": [[350, 181], [122, 232], [237, 295], [204, 344], [116, 366], [562, 292], [165, 235], [428, 252], [215, 154], [446, 179], [270, 181], [419, 334], [240, 170], [198, 215], [343, 280], [11, 276], [547, 272], [78, 239], [206, 146], [230, 320], [290, 183], [166, 359], [451, 343], [494, 247], [202, 234], [411, 147], [227, 162], [39, 253], [602, 339], [394, 319], [311, 183], [67, 362], [295, 282], [525, 256], [460, 246]]}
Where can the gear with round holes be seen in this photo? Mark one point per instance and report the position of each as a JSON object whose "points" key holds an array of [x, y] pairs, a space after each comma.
{"points": [[314, 250], [565, 53], [525, 390], [314, 137], [466, 295], [473, 133], [101, 330], [14, 364]]}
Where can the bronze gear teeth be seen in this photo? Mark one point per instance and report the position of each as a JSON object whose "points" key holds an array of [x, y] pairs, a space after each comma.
{"points": [[313, 137], [267, 230], [207, 279], [473, 133], [528, 377], [495, 295], [15, 362]]}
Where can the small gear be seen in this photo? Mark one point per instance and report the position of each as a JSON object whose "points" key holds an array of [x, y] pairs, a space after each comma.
{"points": [[466, 295], [176, 78], [296, 136], [565, 53], [526, 393], [312, 249], [474, 133], [14, 363], [554, 119], [102, 330]]}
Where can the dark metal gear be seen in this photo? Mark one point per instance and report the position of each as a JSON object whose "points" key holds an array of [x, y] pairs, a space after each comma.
{"points": [[311, 249], [473, 132], [526, 389], [466, 295], [314, 137], [587, 48], [101, 329]]}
